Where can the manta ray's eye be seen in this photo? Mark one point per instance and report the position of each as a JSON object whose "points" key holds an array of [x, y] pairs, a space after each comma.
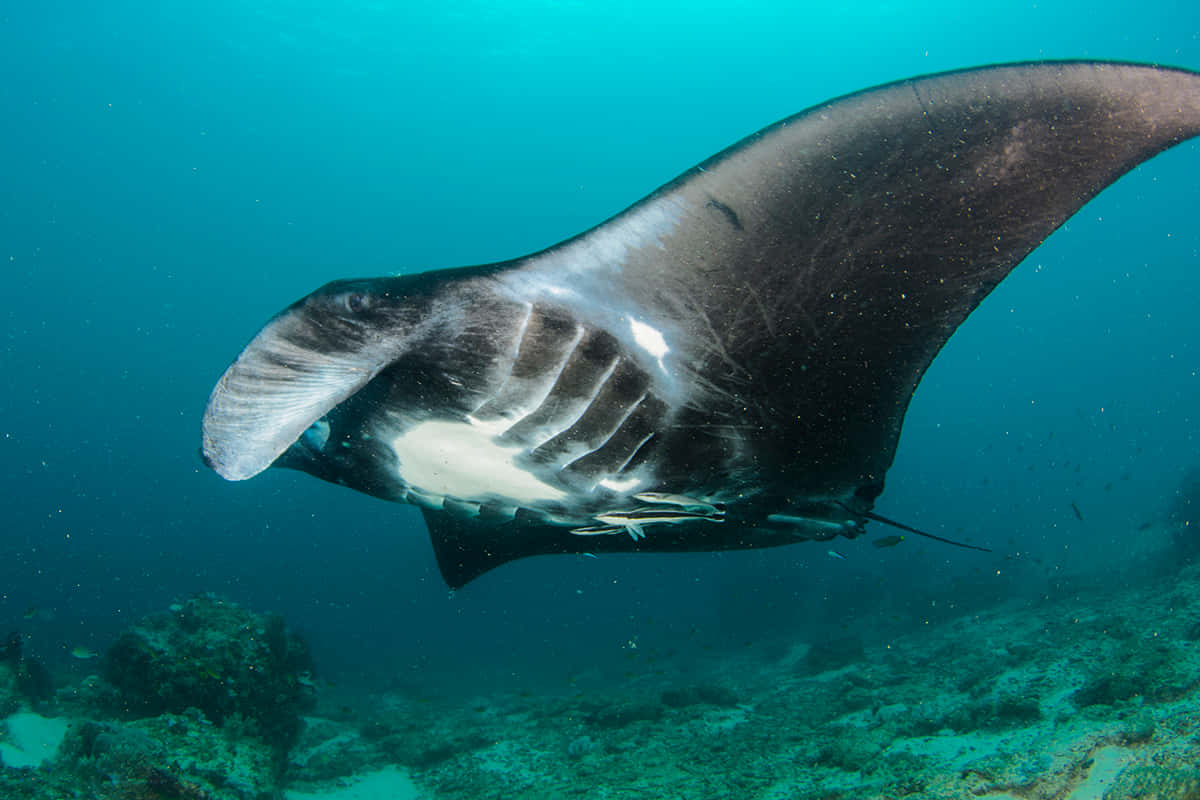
{"points": [[356, 302]]}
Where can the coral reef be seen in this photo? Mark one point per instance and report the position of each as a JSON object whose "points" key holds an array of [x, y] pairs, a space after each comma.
{"points": [[210, 654], [833, 653], [699, 696], [201, 702], [1156, 783], [23, 678], [169, 757], [1091, 694]]}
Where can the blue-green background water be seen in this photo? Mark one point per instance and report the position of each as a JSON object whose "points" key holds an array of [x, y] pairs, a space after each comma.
{"points": [[173, 173]]}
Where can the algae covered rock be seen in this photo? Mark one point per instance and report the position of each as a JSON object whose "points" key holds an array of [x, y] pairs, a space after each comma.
{"points": [[624, 714], [23, 679], [1155, 783], [1145, 668], [853, 749], [707, 695], [210, 654], [10, 696], [834, 653], [329, 749], [173, 756]]}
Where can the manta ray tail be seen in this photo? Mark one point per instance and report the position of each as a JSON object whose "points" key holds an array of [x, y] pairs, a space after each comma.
{"points": [[871, 515]]}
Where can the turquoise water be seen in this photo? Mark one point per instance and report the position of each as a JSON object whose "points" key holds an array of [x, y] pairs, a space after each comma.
{"points": [[174, 173]]}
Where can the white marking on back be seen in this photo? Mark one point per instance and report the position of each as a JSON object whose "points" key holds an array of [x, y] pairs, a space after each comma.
{"points": [[545, 383], [624, 417], [610, 246], [532, 392], [636, 450], [520, 337], [573, 413], [463, 460], [651, 340], [621, 486], [585, 273]]}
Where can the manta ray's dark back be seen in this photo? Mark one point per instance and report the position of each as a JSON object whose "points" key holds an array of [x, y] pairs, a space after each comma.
{"points": [[727, 363], [835, 252]]}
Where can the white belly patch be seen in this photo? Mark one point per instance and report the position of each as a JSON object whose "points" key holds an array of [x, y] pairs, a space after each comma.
{"points": [[462, 460]]}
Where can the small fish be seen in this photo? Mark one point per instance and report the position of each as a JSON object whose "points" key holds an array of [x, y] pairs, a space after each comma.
{"points": [[836, 554], [31, 612], [597, 530], [83, 653], [888, 541], [683, 501], [1078, 513], [634, 521], [1145, 526]]}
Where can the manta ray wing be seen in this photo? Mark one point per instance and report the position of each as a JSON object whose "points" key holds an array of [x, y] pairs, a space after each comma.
{"points": [[740, 347], [817, 267]]}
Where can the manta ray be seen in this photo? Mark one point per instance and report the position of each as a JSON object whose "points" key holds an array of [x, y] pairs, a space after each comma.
{"points": [[724, 365]]}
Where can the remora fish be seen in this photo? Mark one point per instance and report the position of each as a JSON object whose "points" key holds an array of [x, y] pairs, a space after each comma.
{"points": [[751, 333]]}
